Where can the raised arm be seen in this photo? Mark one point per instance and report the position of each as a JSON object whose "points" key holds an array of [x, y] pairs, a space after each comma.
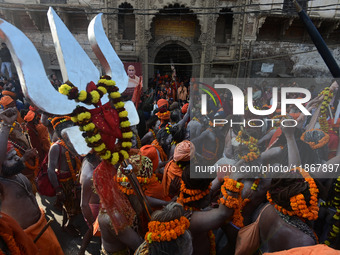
{"points": [[293, 151], [53, 158], [8, 117]]}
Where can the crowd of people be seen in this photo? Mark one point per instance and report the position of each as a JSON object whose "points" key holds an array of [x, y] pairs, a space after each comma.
{"points": [[139, 195]]}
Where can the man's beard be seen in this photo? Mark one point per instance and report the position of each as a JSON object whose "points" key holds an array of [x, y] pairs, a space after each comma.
{"points": [[14, 169]]}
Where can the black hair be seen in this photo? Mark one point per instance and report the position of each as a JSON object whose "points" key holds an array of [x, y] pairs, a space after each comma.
{"points": [[282, 189], [178, 133]]}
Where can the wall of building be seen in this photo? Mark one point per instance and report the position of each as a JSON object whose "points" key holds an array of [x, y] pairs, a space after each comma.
{"points": [[238, 50]]}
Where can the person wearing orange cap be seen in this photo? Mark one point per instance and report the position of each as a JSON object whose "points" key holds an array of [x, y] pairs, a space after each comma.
{"points": [[8, 102], [38, 133], [184, 151], [163, 113]]}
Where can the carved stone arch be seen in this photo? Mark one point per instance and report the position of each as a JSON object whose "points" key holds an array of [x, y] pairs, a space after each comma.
{"points": [[192, 49], [200, 18]]}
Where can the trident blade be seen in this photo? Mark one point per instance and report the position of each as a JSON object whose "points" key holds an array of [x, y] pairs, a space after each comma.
{"points": [[132, 113], [33, 79], [105, 53], [74, 135], [75, 64], [337, 113]]}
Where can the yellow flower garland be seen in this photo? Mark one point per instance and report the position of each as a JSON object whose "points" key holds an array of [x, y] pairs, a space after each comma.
{"points": [[82, 117]]}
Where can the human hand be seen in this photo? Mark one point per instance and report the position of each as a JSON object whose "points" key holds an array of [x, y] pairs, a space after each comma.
{"points": [[175, 186], [288, 131], [9, 115], [29, 154]]}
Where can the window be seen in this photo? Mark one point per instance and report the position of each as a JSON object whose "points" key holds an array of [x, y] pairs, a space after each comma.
{"points": [[126, 22], [224, 26]]}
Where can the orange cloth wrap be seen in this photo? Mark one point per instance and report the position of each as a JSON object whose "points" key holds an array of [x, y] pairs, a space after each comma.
{"points": [[10, 227], [308, 250], [9, 93], [156, 190], [150, 152], [29, 116], [48, 242], [5, 101], [185, 108], [184, 151], [170, 171]]}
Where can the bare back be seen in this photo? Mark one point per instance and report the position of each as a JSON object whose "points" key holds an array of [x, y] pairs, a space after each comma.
{"points": [[18, 195]]}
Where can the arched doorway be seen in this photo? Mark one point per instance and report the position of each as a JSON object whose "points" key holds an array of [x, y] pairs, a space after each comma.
{"points": [[174, 53]]}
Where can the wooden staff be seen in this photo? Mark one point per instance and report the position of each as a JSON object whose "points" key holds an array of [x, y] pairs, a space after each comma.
{"points": [[43, 231], [128, 171]]}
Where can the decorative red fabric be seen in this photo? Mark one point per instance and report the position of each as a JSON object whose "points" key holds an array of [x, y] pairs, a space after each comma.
{"points": [[112, 199], [106, 120]]}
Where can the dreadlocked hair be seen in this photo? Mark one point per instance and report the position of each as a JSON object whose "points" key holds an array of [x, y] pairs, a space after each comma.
{"points": [[183, 244], [194, 183], [282, 189], [178, 133]]}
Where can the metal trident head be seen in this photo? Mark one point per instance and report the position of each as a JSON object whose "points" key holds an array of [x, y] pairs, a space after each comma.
{"points": [[74, 63]]}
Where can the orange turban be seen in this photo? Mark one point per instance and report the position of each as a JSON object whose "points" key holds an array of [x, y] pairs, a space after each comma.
{"points": [[308, 250], [162, 102], [29, 116], [9, 93], [5, 101], [150, 152], [184, 151], [185, 108]]}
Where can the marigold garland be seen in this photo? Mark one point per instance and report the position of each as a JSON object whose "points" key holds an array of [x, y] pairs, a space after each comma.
{"points": [[27, 165], [335, 228], [298, 202], [153, 133], [73, 171], [323, 141], [194, 194], [11, 244], [254, 151], [82, 117], [163, 116], [58, 120], [233, 202], [328, 95], [255, 184], [166, 231], [143, 181]]}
